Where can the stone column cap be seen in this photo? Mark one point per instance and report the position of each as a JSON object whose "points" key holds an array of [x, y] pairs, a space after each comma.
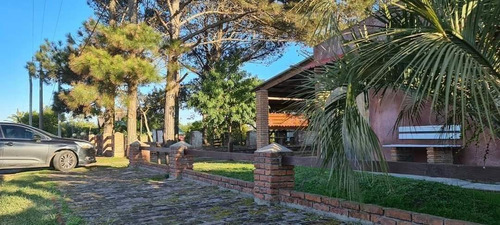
{"points": [[180, 144], [274, 148]]}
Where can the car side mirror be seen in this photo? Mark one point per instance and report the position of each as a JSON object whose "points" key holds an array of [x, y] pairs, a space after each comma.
{"points": [[37, 137]]}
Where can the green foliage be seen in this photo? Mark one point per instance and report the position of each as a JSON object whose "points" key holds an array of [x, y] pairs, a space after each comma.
{"points": [[402, 193], [69, 126], [319, 20], [442, 53], [49, 119], [225, 96]]}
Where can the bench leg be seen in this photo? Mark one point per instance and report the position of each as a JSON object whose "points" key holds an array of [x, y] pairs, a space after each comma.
{"points": [[401, 155], [439, 155]]}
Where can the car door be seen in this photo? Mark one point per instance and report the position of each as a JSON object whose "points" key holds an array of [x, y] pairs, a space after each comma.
{"points": [[20, 148]]}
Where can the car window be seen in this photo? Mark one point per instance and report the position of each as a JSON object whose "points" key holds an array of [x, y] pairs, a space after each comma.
{"points": [[16, 132]]}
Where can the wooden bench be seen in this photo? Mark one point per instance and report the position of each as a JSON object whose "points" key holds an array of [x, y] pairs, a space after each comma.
{"points": [[440, 152]]}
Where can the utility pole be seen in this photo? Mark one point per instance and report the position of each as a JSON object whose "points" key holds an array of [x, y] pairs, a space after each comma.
{"points": [[40, 114]]}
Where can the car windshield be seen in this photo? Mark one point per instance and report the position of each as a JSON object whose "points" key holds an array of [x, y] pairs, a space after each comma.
{"points": [[43, 132]]}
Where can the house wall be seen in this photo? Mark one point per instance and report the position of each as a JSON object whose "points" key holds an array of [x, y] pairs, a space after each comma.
{"points": [[383, 115]]}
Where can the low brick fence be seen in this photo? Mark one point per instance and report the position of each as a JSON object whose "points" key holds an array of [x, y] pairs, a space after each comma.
{"points": [[225, 182], [274, 182]]}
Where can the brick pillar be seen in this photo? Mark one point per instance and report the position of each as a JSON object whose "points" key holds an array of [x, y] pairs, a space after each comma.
{"points": [[270, 175], [136, 155], [401, 154], [439, 155], [179, 161], [262, 103]]}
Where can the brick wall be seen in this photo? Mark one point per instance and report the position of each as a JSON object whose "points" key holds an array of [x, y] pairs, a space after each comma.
{"points": [[274, 183], [359, 211]]}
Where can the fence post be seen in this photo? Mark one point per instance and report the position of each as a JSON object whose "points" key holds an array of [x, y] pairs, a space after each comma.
{"points": [[136, 155], [270, 175], [179, 161]]}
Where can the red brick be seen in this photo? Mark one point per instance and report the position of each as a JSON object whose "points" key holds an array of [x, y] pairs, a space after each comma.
{"points": [[350, 205], [321, 207], [331, 201], [382, 220], [278, 172], [304, 202], [359, 215], [427, 219], [260, 184], [259, 171], [337, 210], [402, 222], [372, 209], [284, 192], [456, 222], [247, 190], [296, 194], [398, 214], [311, 197]]}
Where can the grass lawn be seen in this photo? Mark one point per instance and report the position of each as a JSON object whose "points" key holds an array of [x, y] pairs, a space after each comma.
{"points": [[32, 198], [413, 195]]}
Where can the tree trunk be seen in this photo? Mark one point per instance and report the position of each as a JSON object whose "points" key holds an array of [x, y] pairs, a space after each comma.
{"points": [[132, 11], [150, 138], [229, 141], [173, 67], [172, 92], [112, 13], [40, 107], [108, 120], [31, 101], [132, 113], [59, 115]]}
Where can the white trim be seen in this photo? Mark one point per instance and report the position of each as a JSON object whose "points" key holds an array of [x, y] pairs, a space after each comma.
{"points": [[429, 128], [429, 136], [419, 146]]}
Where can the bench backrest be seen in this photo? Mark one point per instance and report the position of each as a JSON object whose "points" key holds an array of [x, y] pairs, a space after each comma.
{"points": [[430, 132]]}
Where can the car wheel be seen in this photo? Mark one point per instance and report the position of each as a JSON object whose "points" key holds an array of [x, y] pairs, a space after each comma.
{"points": [[64, 161]]}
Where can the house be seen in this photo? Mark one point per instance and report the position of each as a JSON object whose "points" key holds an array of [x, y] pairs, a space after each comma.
{"points": [[278, 119]]}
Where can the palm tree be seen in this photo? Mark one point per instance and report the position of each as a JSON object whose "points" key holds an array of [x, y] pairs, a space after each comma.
{"points": [[442, 53]]}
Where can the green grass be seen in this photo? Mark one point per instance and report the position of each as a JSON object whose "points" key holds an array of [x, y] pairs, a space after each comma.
{"points": [[408, 194], [32, 198], [237, 170]]}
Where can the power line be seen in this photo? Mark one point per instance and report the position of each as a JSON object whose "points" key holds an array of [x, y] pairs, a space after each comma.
{"points": [[33, 28], [57, 20], [43, 19]]}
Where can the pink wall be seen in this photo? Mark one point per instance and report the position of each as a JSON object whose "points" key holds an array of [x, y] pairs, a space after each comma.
{"points": [[383, 115]]}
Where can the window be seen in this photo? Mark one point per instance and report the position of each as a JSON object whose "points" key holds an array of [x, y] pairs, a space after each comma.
{"points": [[16, 132]]}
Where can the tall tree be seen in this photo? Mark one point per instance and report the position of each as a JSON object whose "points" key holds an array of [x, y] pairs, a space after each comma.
{"points": [[185, 25], [225, 97], [119, 56]]}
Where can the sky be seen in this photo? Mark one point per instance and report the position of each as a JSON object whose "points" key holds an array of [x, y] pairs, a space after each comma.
{"points": [[26, 23]]}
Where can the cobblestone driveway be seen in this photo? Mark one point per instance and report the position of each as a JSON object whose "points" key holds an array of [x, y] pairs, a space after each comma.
{"points": [[128, 196]]}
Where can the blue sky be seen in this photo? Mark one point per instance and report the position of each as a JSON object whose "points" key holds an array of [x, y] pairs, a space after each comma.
{"points": [[24, 28]]}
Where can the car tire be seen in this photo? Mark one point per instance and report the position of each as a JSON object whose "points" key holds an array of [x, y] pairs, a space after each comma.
{"points": [[65, 161]]}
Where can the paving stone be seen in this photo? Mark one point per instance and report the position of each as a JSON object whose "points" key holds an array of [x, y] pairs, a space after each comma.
{"points": [[126, 196]]}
